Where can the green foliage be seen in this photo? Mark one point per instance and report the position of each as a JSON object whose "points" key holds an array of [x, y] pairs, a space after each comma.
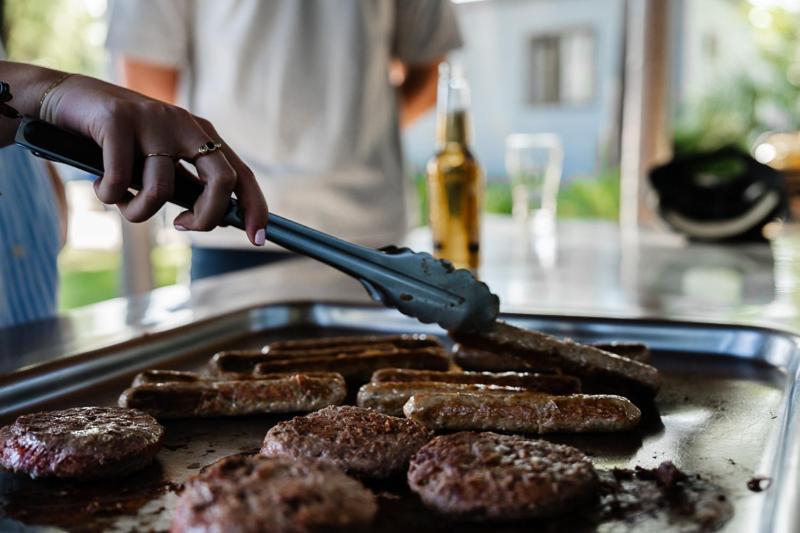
{"points": [[596, 197], [60, 34], [741, 108]]}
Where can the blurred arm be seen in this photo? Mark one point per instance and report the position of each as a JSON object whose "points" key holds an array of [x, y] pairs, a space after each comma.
{"points": [[61, 199], [417, 90], [156, 81]]}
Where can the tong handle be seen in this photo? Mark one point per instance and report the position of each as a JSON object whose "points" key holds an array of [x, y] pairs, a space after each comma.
{"points": [[374, 269]]}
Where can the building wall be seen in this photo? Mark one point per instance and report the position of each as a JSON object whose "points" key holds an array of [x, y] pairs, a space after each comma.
{"points": [[497, 35]]}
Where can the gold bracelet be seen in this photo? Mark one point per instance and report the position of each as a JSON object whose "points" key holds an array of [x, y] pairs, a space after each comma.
{"points": [[50, 87]]}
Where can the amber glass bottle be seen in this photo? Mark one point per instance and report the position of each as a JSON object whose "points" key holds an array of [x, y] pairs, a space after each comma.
{"points": [[455, 181]]}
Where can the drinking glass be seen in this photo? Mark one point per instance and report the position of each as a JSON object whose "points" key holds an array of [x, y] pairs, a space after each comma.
{"points": [[534, 163]]}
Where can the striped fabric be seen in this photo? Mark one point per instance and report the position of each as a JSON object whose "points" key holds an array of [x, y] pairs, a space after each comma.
{"points": [[29, 235]]}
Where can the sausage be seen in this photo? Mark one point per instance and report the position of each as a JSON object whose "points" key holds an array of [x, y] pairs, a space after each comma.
{"points": [[286, 394], [551, 383], [173, 376], [358, 368], [470, 358], [389, 397], [598, 370], [522, 412], [245, 361], [637, 351], [398, 341]]}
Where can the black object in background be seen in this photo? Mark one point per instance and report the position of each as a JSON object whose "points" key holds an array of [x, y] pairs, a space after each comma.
{"points": [[724, 195]]}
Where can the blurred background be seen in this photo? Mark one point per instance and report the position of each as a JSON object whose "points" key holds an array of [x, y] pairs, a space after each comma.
{"points": [[557, 67]]}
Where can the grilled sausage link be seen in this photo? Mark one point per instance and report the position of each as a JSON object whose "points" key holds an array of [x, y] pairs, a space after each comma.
{"points": [[552, 383], [363, 342], [636, 351], [358, 368], [286, 394], [524, 412], [598, 370], [389, 397], [173, 376]]}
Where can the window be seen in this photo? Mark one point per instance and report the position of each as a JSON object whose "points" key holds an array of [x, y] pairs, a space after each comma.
{"points": [[561, 68]]}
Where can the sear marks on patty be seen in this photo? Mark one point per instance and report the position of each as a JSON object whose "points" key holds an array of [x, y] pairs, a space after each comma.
{"points": [[360, 441], [522, 412], [598, 370], [486, 476], [551, 383], [288, 393], [254, 493], [80, 443]]}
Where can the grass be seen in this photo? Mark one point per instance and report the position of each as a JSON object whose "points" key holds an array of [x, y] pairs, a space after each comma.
{"points": [[90, 276]]}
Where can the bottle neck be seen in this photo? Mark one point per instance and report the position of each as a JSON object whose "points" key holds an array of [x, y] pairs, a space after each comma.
{"points": [[453, 116]]}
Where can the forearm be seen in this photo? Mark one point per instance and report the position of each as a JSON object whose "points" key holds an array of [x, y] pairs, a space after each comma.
{"points": [[28, 83], [155, 81], [418, 92]]}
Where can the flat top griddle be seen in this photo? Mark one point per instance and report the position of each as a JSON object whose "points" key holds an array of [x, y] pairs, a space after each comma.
{"points": [[727, 411]]}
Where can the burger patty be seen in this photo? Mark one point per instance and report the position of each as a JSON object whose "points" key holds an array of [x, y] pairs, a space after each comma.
{"points": [[552, 383], [289, 393], [486, 476], [80, 443], [598, 370], [255, 493], [360, 441], [522, 412], [390, 397]]}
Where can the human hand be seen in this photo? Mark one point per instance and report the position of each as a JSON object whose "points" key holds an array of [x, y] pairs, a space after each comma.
{"points": [[128, 126]]}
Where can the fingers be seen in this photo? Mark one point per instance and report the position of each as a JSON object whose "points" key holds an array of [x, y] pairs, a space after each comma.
{"points": [[118, 158], [251, 199], [158, 185]]}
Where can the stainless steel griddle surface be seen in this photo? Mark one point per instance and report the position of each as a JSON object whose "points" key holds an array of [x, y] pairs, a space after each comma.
{"points": [[727, 411]]}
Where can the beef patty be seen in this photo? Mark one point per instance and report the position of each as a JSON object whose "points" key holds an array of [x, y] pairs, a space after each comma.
{"points": [[82, 442], [487, 476], [256, 493], [360, 441]]}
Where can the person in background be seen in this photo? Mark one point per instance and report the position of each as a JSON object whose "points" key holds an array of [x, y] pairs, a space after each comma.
{"points": [[302, 89], [128, 127]]}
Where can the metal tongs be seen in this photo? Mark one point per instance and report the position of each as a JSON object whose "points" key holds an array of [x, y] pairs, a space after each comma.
{"points": [[415, 283]]}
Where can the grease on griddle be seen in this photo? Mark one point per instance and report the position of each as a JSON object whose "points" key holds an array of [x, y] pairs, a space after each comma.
{"points": [[664, 493], [88, 506]]}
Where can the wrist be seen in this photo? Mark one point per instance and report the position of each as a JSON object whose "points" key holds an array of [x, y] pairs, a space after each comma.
{"points": [[52, 96]]}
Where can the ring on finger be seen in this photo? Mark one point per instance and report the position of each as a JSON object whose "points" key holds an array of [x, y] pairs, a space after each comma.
{"points": [[208, 148], [161, 154]]}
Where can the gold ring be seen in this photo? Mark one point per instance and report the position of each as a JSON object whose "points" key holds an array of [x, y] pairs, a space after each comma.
{"points": [[160, 154], [208, 148]]}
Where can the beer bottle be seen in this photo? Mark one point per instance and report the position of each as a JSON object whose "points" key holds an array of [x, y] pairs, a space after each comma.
{"points": [[455, 182]]}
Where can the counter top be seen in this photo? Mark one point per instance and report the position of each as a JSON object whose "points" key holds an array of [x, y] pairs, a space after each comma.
{"points": [[585, 268]]}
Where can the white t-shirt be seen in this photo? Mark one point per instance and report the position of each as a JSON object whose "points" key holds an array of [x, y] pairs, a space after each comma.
{"points": [[300, 89]]}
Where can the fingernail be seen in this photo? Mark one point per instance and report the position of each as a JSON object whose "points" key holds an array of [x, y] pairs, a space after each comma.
{"points": [[181, 228], [261, 237]]}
